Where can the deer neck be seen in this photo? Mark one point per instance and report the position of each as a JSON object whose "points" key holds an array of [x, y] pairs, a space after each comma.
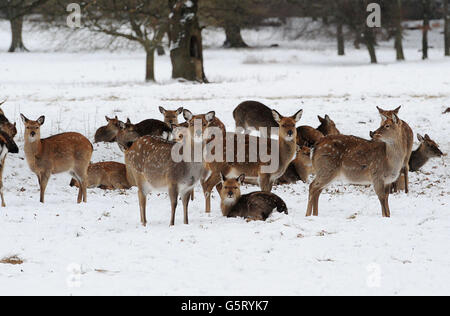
{"points": [[227, 206], [287, 152], [33, 150], [394, 158], [418, 158]]}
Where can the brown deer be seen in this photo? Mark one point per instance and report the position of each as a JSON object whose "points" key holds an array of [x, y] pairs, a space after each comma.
{"points": [[253, 114], [129, 132], [170, 117], [407, 141], [109, 132], [151, 164], [327, 126], [428, 149], [67, 152], [257, 206], [359, 161], [308, 136], [299, 169], [254, 171], [107, 176]]}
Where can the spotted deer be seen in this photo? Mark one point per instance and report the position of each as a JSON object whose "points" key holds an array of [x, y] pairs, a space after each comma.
{"points": [[358, 161], [109, 132], [107, 175], [407, 142], [151, 164], [67, 152], [256, 206], [255, 171], [128, 132], [170, 117]]}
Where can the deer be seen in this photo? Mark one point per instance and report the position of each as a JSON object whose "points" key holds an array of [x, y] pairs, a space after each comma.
{"points": [[407, 141], [128, 132], [308, 136], [359, 161], [427, 149], [66, 152], [150, 162], [256, 206], [109, 132], [171, 117], [253, 114], [327, 126], [255, 171], [299, 169], [107, 176]]}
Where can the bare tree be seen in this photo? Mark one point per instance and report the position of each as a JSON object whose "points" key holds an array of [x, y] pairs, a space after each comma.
{"points": [[15, 11], [426, 27], [141, 21], [186, 45], [399, 30]]}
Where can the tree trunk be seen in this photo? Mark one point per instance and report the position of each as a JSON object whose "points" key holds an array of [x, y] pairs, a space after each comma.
{"points": [[234, 38], [369, 39], [150, 65], [399, 31], [185, 34], [340, 40], [426, 27], [447, 28], [16, 36]]}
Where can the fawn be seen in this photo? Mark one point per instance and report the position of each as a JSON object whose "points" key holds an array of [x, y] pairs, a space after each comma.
{"points": [[359, 161], [253, 114], [427, 149], [67, 152], [170, 117], [299, 169], [255, 171], [109, 132], [257, 206], [107, 176], [151, 164], [327, 126], [407, 141], [129, 133]]}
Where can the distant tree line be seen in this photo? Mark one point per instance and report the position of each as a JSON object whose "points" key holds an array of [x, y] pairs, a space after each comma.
{"points": [[149, 22]]}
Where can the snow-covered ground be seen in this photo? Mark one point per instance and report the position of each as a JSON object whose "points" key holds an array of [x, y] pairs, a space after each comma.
{"points": [[101, 248]]}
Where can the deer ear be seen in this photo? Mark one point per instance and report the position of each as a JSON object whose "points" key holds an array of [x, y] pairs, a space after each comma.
{"points": [[210, 116], [222, 177], [372, 134], [241, 179], [395, 119], [162, 110], [128, 121], [298, 116], [427, 137], [41, 120], [385, 118], [420, 138], [321, 119], [327, 118], [179, 111], [380, 110], [276, 116], [107, 119], [187, 115], [24, 119], [397, 110]]}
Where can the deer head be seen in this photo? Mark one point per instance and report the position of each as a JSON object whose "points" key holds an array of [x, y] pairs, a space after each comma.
{"points": [[429, 146], [170, 117], [287, 131], [231, 189], [32, 128]]}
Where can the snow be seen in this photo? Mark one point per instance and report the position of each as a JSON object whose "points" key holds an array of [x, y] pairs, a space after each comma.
{"points": [[101, 248]]}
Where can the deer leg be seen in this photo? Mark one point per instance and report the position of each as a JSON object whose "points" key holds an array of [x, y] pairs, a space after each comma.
{"points": [[142, 205], [43, 181], [265, 183], [382, 192], [208, 186], [406, 174], [173, 194], [316, 201], [185, 199], [1, 182]]}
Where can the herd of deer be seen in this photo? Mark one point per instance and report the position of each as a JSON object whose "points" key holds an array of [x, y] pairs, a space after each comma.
{"points": [[384, 161]]}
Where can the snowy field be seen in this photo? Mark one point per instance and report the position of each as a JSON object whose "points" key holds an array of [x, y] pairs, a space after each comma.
{"points": [[101, 248]]}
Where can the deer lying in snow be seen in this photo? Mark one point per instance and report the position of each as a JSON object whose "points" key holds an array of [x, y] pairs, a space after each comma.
{"points": [[359, 161], [255, 170], [170, 117], [407, 142], [299, 169], [107, 176], [428, 149], [253, 206], [150, 163], [67, 152]]}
